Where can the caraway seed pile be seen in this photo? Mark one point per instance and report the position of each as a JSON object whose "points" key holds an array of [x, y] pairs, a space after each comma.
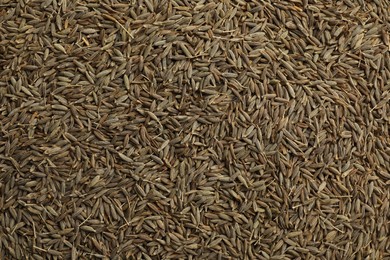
{"points": [[194, 129]]}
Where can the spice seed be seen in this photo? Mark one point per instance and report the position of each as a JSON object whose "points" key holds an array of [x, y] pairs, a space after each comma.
{"points": [[194, 129]]}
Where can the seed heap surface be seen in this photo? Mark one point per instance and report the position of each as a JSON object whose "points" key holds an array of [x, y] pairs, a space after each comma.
{"points": [[184, 129]]}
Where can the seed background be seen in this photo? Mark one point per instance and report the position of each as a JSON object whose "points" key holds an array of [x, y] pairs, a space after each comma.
{"points": [[194, 129]]}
